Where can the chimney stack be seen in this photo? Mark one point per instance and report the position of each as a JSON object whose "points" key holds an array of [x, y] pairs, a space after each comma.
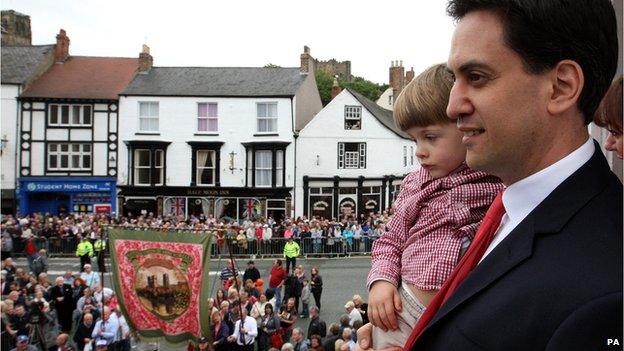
{"points": [[61, 49], [335, 89], [145, 60], [307, 62], [409, 75], [397, 78]]}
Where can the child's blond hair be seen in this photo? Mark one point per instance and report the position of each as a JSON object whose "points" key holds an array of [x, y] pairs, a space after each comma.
{"points": [[423, 101]]}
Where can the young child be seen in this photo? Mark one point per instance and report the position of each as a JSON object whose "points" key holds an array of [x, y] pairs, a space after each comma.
{"points": [[435, 216]]}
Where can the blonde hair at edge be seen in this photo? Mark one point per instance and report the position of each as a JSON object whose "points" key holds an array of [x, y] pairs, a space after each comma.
{"points": [[423, 101]]}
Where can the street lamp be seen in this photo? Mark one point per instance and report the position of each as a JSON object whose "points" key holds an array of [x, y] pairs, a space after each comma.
{"points": [[232, 161]]}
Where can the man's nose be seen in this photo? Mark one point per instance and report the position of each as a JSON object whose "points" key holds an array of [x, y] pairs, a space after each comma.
{"points": [[459, 103]]}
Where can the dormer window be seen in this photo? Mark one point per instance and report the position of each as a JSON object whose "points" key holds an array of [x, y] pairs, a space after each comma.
{"points": [[353, 117]]}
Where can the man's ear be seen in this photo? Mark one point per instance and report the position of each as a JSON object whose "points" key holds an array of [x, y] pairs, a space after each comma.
{"points": [[567, 83]]}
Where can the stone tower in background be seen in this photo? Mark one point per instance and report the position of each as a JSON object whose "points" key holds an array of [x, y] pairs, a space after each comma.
{"points": [[334, 68], [342, 69], [15, 29]]}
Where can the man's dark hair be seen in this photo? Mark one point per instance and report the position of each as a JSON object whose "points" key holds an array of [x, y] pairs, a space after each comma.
{"points": [[545, 32]]}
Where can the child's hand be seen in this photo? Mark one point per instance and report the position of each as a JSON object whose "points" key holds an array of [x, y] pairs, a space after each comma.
{"points": [[383, 301]]}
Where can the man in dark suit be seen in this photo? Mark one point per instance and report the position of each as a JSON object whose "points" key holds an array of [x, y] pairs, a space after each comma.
{"points": [[528, 78]]}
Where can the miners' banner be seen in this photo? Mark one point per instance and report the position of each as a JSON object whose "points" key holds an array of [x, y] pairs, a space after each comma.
{"points": [[161, 281]]}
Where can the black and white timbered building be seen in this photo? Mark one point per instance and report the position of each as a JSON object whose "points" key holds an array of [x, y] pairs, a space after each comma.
{"points": [[69, 134]]}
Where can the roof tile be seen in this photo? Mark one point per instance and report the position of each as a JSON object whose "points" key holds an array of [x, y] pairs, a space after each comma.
{"points": [[216, 81], [85, 77]]}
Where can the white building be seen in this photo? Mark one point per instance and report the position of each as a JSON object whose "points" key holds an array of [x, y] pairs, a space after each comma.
{"points": [[212, 140], [351, 159], [386, 99], [21, 65]]}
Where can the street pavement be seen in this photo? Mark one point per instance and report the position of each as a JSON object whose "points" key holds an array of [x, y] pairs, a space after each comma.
{"points": [[342, 278]]}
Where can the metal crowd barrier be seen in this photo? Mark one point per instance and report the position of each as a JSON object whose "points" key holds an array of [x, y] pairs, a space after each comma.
{"points": [[309, 247]]}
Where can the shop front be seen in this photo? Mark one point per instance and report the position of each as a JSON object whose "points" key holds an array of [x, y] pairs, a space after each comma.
{"points": [[224, 203], [350, 198], [64, 195]]}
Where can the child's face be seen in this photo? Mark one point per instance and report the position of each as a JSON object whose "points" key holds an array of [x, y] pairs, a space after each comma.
{"points": [[439, 148]]}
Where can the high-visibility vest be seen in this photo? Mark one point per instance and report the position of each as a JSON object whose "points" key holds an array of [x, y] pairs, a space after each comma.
{"points": [[99, 245], [291, 249], [84, 247]]}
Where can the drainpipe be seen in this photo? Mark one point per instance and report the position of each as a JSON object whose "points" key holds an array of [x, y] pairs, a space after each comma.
{"points": [[17, 135], [295, 136]]}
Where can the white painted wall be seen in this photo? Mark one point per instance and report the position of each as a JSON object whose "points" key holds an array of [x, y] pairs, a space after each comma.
{"points": [[384, 148], [384, 100], [38, 156], [8, 121], [178, 125]]}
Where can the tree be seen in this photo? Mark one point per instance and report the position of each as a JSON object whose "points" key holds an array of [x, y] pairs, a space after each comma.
{"points": [[365, 87], [271, 65], [325, 81]]}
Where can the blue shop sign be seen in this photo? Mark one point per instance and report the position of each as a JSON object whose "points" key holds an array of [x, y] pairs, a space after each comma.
{"points": [[66, 186]]}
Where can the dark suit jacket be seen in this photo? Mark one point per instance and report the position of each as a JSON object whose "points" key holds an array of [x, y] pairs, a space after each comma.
{"points": [[547, 285]]}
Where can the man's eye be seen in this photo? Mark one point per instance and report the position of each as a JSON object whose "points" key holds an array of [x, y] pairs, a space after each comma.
{"points": [[475, 78], [431, 137]]}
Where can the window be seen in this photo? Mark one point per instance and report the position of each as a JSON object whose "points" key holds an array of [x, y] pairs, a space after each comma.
{"points": [[159, 166], [206, 167], [142, 167], [70, 115], [411, 155], [267, 117], [351, 155], [144, 173], [148, 116], [264, 166], [404, 156], [207, 120], [279, 168], [69, 157], [353, 117]]}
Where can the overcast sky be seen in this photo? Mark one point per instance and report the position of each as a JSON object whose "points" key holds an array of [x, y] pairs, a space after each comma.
{"points": [[242, 33]]}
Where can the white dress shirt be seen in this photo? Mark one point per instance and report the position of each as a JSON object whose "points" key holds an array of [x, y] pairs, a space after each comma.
{"points": [[523, 196], [251, 326]]}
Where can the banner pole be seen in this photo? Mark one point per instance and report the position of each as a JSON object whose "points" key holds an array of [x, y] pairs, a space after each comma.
{"points": [[240, 305]]}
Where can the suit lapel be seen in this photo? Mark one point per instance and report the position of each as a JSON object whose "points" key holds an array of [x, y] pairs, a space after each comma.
{"points": [[509, 253], [548, 217]]}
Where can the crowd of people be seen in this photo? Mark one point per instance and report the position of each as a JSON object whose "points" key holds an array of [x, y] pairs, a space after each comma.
{"points": [[269, 310], [75, 312], [72, 312], [62, 234]]}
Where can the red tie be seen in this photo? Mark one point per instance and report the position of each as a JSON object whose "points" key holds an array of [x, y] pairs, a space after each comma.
{"points": [[481, 242]]}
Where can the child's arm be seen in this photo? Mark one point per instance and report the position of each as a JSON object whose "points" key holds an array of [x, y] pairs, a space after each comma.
{"points": [[385, 272], [383, 301]]}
